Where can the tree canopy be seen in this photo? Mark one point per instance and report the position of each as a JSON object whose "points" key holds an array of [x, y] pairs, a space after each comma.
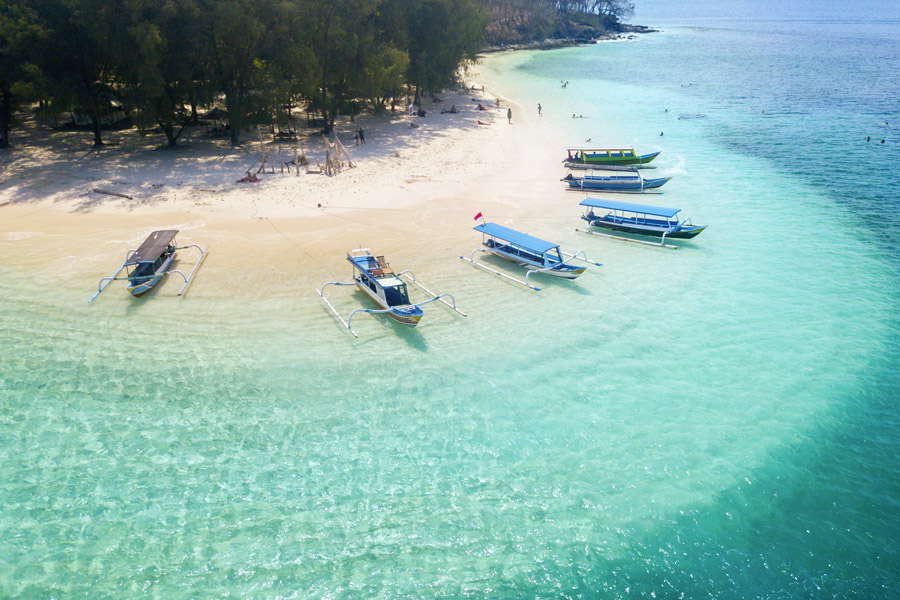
{"points": [[160, 61]]}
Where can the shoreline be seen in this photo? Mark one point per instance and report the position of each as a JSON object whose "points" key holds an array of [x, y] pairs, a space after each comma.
{"points": [[414, 190], [628, 32]]}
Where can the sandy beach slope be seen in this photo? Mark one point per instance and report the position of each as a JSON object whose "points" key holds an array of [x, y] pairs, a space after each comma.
{"points": [[412, 195]]}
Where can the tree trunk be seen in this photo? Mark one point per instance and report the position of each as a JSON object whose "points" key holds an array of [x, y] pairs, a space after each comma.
{"points": [[5, 115], [327, 116], [169, 130], [234, 120], [194, 119], [95, 125]]}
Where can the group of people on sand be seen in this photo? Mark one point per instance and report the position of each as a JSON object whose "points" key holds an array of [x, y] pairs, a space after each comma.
{"points": [[360, 137], [250, 177]]}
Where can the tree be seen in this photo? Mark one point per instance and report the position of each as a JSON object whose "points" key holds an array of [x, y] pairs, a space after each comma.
{"points": [[442, 34], [236, 45], [289, 68], [381, 76], [86, 41], [162, 70], [342, 38], [19, 33]]}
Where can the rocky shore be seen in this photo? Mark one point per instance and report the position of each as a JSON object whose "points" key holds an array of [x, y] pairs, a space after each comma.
{"points": [[584, 34]]}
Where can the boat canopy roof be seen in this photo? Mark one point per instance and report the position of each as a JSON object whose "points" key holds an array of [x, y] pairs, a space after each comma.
{"points": [[517, 238], [645, 209], [598, 148], [153, 246]]}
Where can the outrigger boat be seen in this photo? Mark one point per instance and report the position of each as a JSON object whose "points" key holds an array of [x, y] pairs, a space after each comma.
{"points": [[374, 276], [616, 181], [535, 254], [640, 219], [607, 156], [148, 264]]}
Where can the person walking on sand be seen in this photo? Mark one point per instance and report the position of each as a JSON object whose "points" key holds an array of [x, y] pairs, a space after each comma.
{"points": [[509, 115], [539, 110], [362, 137], [356, 136]]}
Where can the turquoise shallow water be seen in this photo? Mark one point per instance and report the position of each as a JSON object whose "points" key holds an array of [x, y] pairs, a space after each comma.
{"points": [[716, 421]]}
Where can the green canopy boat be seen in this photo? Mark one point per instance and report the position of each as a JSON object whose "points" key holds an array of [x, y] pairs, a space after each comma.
{"points": [[607, 156]]}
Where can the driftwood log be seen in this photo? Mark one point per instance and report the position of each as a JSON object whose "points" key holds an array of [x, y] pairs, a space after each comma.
{"points": [[109, 193]]}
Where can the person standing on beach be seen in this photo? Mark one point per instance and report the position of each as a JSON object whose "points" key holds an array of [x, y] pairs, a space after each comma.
{"points": [[539, 110], [362, 137], [356, 136], [509, 115]]}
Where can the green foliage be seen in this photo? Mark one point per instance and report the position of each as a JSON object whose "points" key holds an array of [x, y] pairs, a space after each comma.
{"points": [[161, 73], [20, 32], [255, 58], [382, 76], [236, 45], [516, 21], [82, 53], [442, 35]]}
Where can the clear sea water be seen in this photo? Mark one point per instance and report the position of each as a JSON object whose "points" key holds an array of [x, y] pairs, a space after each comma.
{"points": [[716, 421]]}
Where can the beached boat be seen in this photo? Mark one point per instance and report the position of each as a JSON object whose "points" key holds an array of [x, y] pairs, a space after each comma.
{"points": [[608, 156], [613, 181], [535, 254], [639, 219], [374, 276], [148, 264]]}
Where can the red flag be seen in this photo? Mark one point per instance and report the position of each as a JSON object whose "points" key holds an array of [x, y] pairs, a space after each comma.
{"points": [[478, 216]]}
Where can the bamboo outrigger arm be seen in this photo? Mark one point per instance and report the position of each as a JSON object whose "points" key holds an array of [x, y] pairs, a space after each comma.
{"points": [[373, 311], [412, 277], [321, 294], [566, 262], [370, 311], [662, 244], [583, 257], [533, 271], [103, 283], [102, 286], [189, 278], [496, 272]]}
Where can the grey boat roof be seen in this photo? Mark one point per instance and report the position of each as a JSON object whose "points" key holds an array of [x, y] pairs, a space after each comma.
{"points": [[153, 246]]}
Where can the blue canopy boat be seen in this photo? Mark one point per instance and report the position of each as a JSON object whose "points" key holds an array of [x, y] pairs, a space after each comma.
{"points": [[148, 264], [616, 181], [640, 219], [374, 276], [535, 254]]}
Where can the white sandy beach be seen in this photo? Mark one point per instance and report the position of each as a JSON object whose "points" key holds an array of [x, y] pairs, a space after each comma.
{"points": [[413, 193]]}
